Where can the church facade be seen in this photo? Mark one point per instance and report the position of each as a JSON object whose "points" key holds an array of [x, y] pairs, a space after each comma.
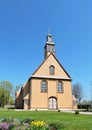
{"points": [[49, 87]]}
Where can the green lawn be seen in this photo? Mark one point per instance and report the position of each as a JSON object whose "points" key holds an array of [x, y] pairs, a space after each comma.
{"points": [[69, 121]]}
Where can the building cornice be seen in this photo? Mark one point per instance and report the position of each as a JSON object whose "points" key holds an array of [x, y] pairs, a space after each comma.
{"points": [[50, 77]]}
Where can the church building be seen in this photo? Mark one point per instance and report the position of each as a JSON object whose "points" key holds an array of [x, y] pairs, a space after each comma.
{"points": [[49, 87]]}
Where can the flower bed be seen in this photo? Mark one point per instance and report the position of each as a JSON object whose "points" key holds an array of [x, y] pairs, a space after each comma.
{"points": [[26, 124]]}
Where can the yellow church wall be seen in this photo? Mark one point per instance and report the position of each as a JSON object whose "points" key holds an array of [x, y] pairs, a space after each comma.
{"points": [[20, 96], [26, 107], [52, 89], [17, 100], [26, 88], [65, 98], [38, 99], [44, 69]]}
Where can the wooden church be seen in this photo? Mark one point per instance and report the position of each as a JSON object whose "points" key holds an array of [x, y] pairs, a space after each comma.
{"points": [[49, 87]]}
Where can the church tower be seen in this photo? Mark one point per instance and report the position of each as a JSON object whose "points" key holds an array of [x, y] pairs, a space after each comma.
{"points": [[49, 46]]}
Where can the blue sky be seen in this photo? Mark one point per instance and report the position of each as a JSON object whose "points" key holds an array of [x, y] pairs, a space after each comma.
{"points": [[23, 28]]}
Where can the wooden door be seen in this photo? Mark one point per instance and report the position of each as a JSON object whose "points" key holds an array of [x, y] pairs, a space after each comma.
{"points": [[52, 103]]}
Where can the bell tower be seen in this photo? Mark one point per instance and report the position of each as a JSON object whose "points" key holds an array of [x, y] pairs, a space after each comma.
{"points": [[49, 46]]}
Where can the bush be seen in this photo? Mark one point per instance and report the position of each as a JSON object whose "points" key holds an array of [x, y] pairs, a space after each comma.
{"points": [[76, 112], [56, 125], [58, 110]]}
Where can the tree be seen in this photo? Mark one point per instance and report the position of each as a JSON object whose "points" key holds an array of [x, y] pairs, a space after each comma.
{"points": [[77, 91], [5, 92], [7, 85], [3, 97], [18, 87]]}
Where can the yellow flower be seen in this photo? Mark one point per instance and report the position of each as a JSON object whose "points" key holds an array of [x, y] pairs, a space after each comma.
{"points": [[38, 123]]}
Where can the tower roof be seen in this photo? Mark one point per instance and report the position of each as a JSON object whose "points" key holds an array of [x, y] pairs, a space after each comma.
{"points": [[49, 39]]}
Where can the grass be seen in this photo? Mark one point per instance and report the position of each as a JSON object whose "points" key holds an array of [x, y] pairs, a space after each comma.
{"points": [[69, 121]]}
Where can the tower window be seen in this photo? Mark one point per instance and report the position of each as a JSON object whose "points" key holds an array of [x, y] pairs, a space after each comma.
{"points": [[60, 86], [43, 86], [52, 70]]}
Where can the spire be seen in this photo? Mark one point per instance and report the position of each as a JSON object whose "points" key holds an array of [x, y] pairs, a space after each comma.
{"points": [[49, 46], [49, 37]]}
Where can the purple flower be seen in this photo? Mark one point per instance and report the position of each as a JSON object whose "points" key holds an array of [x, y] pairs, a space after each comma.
{"points": [[4, 126]]}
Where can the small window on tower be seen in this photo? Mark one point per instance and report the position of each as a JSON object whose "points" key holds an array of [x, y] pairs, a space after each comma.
{"points": [[52, 70]]}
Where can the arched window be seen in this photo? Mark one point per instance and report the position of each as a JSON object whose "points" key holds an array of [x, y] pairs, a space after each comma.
{"points": [[43, 86], [60, 86], [51, 69]]}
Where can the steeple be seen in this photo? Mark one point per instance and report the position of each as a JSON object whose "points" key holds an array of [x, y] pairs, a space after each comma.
{"points": [[49, 38], [49, 46]]}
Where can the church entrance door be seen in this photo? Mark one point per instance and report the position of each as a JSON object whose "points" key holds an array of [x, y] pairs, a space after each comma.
{"points": [[52, 103]]}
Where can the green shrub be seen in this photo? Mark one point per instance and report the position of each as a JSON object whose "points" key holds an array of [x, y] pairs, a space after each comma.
{"points": [[3, 119], [76, 112], [58, 110], [56, 125]]}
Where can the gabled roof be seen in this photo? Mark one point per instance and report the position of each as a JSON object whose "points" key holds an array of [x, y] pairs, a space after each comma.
{"points": [[56, 60]]}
